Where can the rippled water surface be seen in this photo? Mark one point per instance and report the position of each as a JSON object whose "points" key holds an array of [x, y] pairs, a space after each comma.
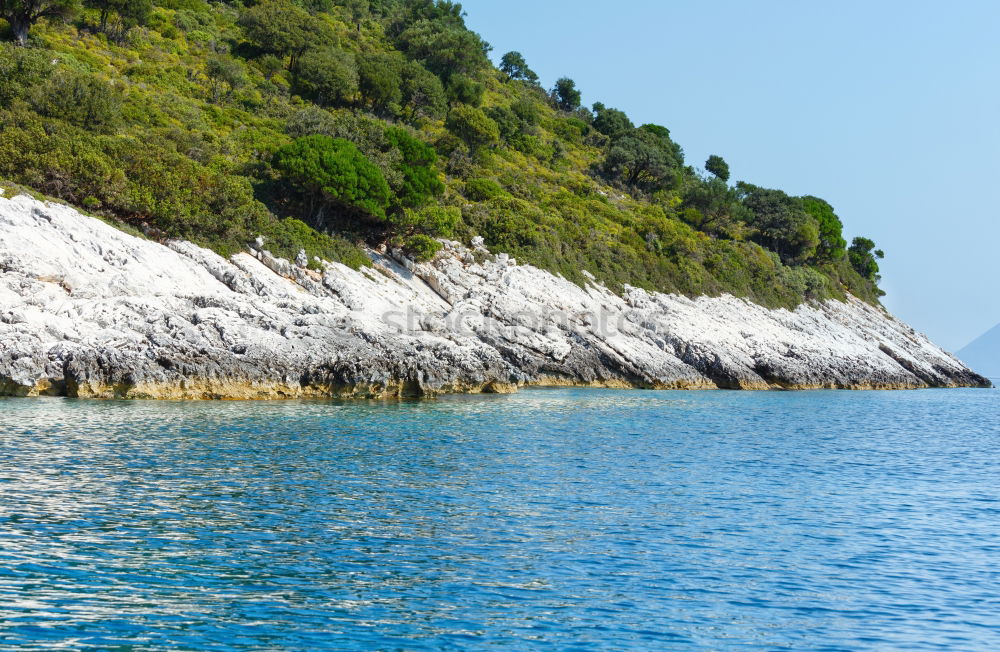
{"points": [[551, 518]]}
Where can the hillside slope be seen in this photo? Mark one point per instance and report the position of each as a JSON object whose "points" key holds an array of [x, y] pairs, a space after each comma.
{"points": [[336, 125], [90, 311]]}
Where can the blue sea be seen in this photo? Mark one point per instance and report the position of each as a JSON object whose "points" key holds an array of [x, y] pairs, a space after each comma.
{"points": [[549, 519]]}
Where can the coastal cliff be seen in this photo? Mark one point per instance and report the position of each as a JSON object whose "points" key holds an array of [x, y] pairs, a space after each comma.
{"points": [[87, 310]]}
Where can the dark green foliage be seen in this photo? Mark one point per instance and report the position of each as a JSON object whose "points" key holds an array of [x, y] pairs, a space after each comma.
{"points": [[164, 189], [423, 93], [444, 50], [716, 207], [356, 11], [22, 14], [285, 29], [448, 15], [473, 126], [329, 76], [79, 98], [780, 223], [662, 135], [508, 124], [117, 17], [831, 245], [366, 133], [863, 258], [514, 66], [718, 166], [332, 172], [527, 112], [380, 81], [566, 95], [611, 122], [466, 90], [643, 158], [419, 178]]}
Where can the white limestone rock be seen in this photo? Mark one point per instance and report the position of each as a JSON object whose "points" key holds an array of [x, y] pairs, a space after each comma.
{"points": [[86, 309]]}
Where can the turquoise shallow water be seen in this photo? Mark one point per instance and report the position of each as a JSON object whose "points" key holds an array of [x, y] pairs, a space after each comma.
{"points": [[566, 519]]}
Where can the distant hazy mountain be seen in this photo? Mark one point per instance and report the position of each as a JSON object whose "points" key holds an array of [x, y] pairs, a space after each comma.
{"points": [[983, 353]]}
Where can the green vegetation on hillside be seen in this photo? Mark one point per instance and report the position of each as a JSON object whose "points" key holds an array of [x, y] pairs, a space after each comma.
{"points": [[328, 124]]}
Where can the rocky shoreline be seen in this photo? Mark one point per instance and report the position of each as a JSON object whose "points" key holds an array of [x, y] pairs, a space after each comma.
{"points": [[87, 310]]}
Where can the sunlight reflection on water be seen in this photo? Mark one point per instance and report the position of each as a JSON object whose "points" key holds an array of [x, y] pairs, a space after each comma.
{"points": [[624, 519]]}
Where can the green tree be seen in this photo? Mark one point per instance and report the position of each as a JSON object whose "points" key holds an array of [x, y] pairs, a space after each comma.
{"points": [[465, 90], [514, 66], [328, 75], [507, 121], [443, 50], [22, 14], [332, 172], [225, 73], [638, 159], [420, 181], [357, 11], [719, 209], [611, 122], [423, 93], [643, 157], [862, 255], [380, 81], [831, 239], [566, 95], [447, 14], [283, 28], [129, 13], [473, 126], [718, 166], [780, 223]]}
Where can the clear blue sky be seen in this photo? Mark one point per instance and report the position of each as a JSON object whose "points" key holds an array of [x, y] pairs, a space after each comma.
{"points": [[889, 110]]}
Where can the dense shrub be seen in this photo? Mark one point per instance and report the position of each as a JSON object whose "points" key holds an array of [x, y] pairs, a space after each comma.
{"points": [[284, 28], [20, 70], [419, 178], [611, 122], [331, 171], [422, 247], [380, 81], [329, 76], [483, 189], [438, 221], [80, 98], [473, 126]]}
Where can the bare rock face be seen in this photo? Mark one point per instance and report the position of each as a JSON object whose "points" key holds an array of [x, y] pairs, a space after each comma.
{"points": [[87, 310]]}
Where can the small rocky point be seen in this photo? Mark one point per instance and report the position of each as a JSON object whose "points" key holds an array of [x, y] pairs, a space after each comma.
{"points": [[87, 310]]}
